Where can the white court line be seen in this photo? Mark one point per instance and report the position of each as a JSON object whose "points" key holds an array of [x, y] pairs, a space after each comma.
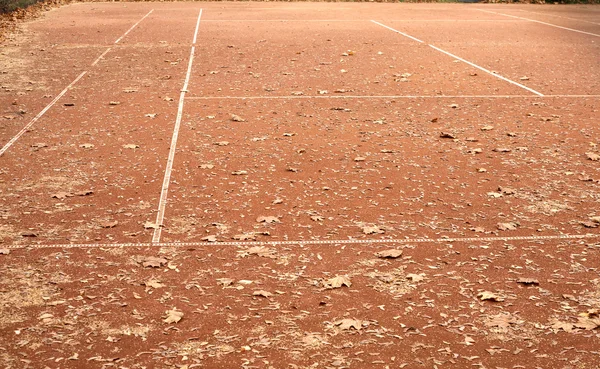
{"points": [[465, 61], [132, 27], [540, 22], [386, 97], [559, 16], [395, 30], [101, 56], [41, 113], [362, 20], [160, 216], [35, 119], [488, 71], [313, 242]]}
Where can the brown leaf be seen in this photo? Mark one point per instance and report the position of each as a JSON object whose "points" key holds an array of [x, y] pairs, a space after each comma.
{"points": [[557, 325], [62, 195], [108, 224], [83, 193], [260, 251], [416, 277], [390, 254], [589, 224], [347, 324], [372, 229], [510, 226], [262, 293], [587, 323], [528, 281], [337, 282], [153, 262], [490, 296], [501, 320], [225, 281], [245, 237], [268, 219], [151, 225], [173, 316], [154, 283], [592, 156]]}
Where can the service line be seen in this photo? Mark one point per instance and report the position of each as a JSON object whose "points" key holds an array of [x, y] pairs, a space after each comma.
{"points": [[540, 22], [559, 16], [160, 216], [400, 241], [64, 91], [349, 97], [464, 61]]}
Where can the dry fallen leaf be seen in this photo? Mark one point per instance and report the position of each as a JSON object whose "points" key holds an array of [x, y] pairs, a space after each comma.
{"points": [[416, 277], [225, 282], [557, 325], [259, 251], [262, 293], [173, 316], [62, 195], [528, 281], [268, 219], [154, 283], [368, 229], [501, 321], [108, 224], [153, 262], [391, 254], [346, 324], [487, 295], [151, 225], [510, 226], [337, 282], [244, 237], [592, 156]]}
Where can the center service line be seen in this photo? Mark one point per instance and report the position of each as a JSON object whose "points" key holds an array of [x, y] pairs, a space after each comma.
{"points": [[160, 216]]}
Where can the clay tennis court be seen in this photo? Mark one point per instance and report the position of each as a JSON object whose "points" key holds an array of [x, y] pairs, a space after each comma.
{"points": [[301, 185]]}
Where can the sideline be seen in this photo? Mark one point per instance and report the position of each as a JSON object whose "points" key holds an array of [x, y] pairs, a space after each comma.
{"points": [[41, 113]]}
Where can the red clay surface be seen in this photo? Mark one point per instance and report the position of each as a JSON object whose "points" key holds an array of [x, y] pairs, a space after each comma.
{"points": [[302, 123]]}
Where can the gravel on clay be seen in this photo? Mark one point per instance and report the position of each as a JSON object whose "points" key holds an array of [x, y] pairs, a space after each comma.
{"points": [[341, 195]]}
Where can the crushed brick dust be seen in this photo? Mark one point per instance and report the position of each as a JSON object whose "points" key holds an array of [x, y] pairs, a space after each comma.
{"points": [[301, 122]]}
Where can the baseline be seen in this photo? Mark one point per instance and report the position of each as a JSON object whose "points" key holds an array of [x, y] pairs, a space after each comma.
{"points": [[314, 242], [342, 97]]}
